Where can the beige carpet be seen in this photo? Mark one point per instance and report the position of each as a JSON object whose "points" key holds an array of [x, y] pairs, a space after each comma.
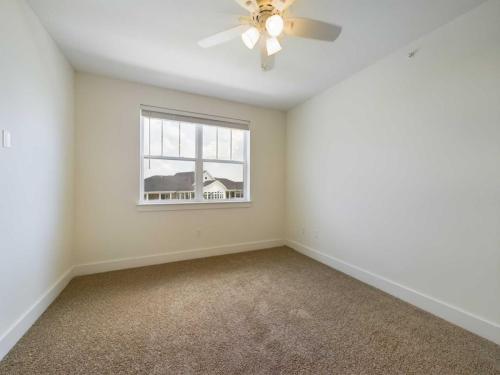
{"points": [[265, 312]]}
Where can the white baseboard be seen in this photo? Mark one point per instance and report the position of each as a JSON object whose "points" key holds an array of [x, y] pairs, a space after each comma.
{"points": [[26, 320], [473, 323], [149, 260], [453, 314]]}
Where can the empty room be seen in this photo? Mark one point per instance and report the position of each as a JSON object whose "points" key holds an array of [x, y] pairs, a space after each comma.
{"points": [[250, 187]]}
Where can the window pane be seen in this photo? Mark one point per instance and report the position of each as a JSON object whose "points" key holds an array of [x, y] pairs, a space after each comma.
{"points": [[155, 136], [238, 137], [168, 180], [188, 140], [209, 142], [222, 181], [145, 135], [224, 144], [170, 138]]}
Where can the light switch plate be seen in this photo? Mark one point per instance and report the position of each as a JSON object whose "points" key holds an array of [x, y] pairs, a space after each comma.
{"points": [[6, 143]]}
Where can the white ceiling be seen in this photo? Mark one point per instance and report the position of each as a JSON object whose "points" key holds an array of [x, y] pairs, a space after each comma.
{"points": [[154, 41]]}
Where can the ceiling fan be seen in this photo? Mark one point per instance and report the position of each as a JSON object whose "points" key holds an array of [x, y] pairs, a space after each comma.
{"points": [[268, 22]]}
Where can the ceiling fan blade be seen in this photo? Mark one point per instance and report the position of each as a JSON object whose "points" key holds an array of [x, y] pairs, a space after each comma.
{"points": [[307, 28], [250, 5], [223, 37], [266, 61], [281, 5], [245, 20]]}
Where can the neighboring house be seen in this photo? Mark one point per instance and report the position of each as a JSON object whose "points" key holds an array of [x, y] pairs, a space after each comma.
{"points": [[181, 186]]}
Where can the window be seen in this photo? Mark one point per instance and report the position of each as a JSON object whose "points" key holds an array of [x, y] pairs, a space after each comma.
{"points": [[192, 158]]}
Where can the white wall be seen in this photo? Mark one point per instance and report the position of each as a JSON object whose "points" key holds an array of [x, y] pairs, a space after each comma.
{"points": [[36, 180], [396, 170], [108, 223]]}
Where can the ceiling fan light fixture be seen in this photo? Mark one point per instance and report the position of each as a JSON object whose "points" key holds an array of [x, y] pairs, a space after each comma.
{"points": [[265, 24], [273, 46], [250, 37], [275, 25]]}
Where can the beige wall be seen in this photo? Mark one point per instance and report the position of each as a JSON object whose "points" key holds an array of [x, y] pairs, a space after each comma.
{"points": [[396, 170], [108, 223], [36, 181]]}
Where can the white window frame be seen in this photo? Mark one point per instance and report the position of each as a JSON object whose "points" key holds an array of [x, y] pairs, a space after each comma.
{"points": [[198, 201]]}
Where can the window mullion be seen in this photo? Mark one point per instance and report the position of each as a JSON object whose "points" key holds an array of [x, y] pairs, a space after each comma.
{"points": [[246, 174], [141, 159], [169, 158], [162, 153], [179, 134], [149, 141], [224, 161], [199, 164]]}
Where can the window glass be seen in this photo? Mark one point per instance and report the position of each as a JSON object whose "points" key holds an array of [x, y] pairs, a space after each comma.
{"points": [[171, 161], [222, 181], [238, 144], [170, 138], [169, 179], [209, 142], [155, 131], [145, 136], [223, 144], [187, 140]]}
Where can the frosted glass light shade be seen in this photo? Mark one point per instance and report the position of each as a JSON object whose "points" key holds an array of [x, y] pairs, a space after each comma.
{"points": [[274, 25], [250, 37], [273, 46]]}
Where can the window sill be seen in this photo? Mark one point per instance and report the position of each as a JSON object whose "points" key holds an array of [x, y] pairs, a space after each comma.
{"points": [[161, 206]]}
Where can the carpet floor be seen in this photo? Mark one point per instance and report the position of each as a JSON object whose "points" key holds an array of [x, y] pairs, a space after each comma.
{"points": [[264, 312]]}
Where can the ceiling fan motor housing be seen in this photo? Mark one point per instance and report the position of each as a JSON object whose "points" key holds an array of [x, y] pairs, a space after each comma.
{"points": [[266, 10]]}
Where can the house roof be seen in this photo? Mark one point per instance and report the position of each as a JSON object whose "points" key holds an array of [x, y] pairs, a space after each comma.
{"points": [[184, 181], [230, 184]]}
